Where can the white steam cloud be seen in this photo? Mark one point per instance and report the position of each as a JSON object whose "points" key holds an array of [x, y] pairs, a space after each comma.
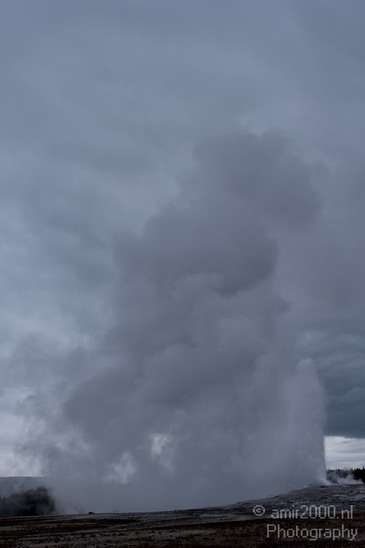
{"points": [[199, 397]]}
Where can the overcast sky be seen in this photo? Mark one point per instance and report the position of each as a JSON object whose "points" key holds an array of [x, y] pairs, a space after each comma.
{"points": [[182, 182]]}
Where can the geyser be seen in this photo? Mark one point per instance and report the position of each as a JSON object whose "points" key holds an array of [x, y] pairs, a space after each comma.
{"points": [[199, 397]]}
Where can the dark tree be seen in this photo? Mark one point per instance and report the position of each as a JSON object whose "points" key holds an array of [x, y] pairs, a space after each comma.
{"points": [[33, 502], [359, 474]]}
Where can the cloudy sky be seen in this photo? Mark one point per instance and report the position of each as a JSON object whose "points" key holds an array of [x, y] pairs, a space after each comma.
{"points": [[182, 218]]}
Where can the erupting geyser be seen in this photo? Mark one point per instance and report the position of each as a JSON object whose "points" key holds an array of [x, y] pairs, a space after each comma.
{"points": [[200, 398]]}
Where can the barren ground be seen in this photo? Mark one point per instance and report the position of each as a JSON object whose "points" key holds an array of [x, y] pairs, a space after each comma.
{"points": [[340, 514]]}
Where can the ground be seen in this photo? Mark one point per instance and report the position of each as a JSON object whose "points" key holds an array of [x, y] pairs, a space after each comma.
{"points": [[328, 515]]}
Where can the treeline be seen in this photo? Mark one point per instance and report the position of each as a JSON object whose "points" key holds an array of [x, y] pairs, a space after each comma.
{"points": [[359, 474], [339, 473], [33, 502]]}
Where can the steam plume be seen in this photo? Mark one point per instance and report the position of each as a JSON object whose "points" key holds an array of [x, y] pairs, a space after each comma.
{"points": [[198, 397]]}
